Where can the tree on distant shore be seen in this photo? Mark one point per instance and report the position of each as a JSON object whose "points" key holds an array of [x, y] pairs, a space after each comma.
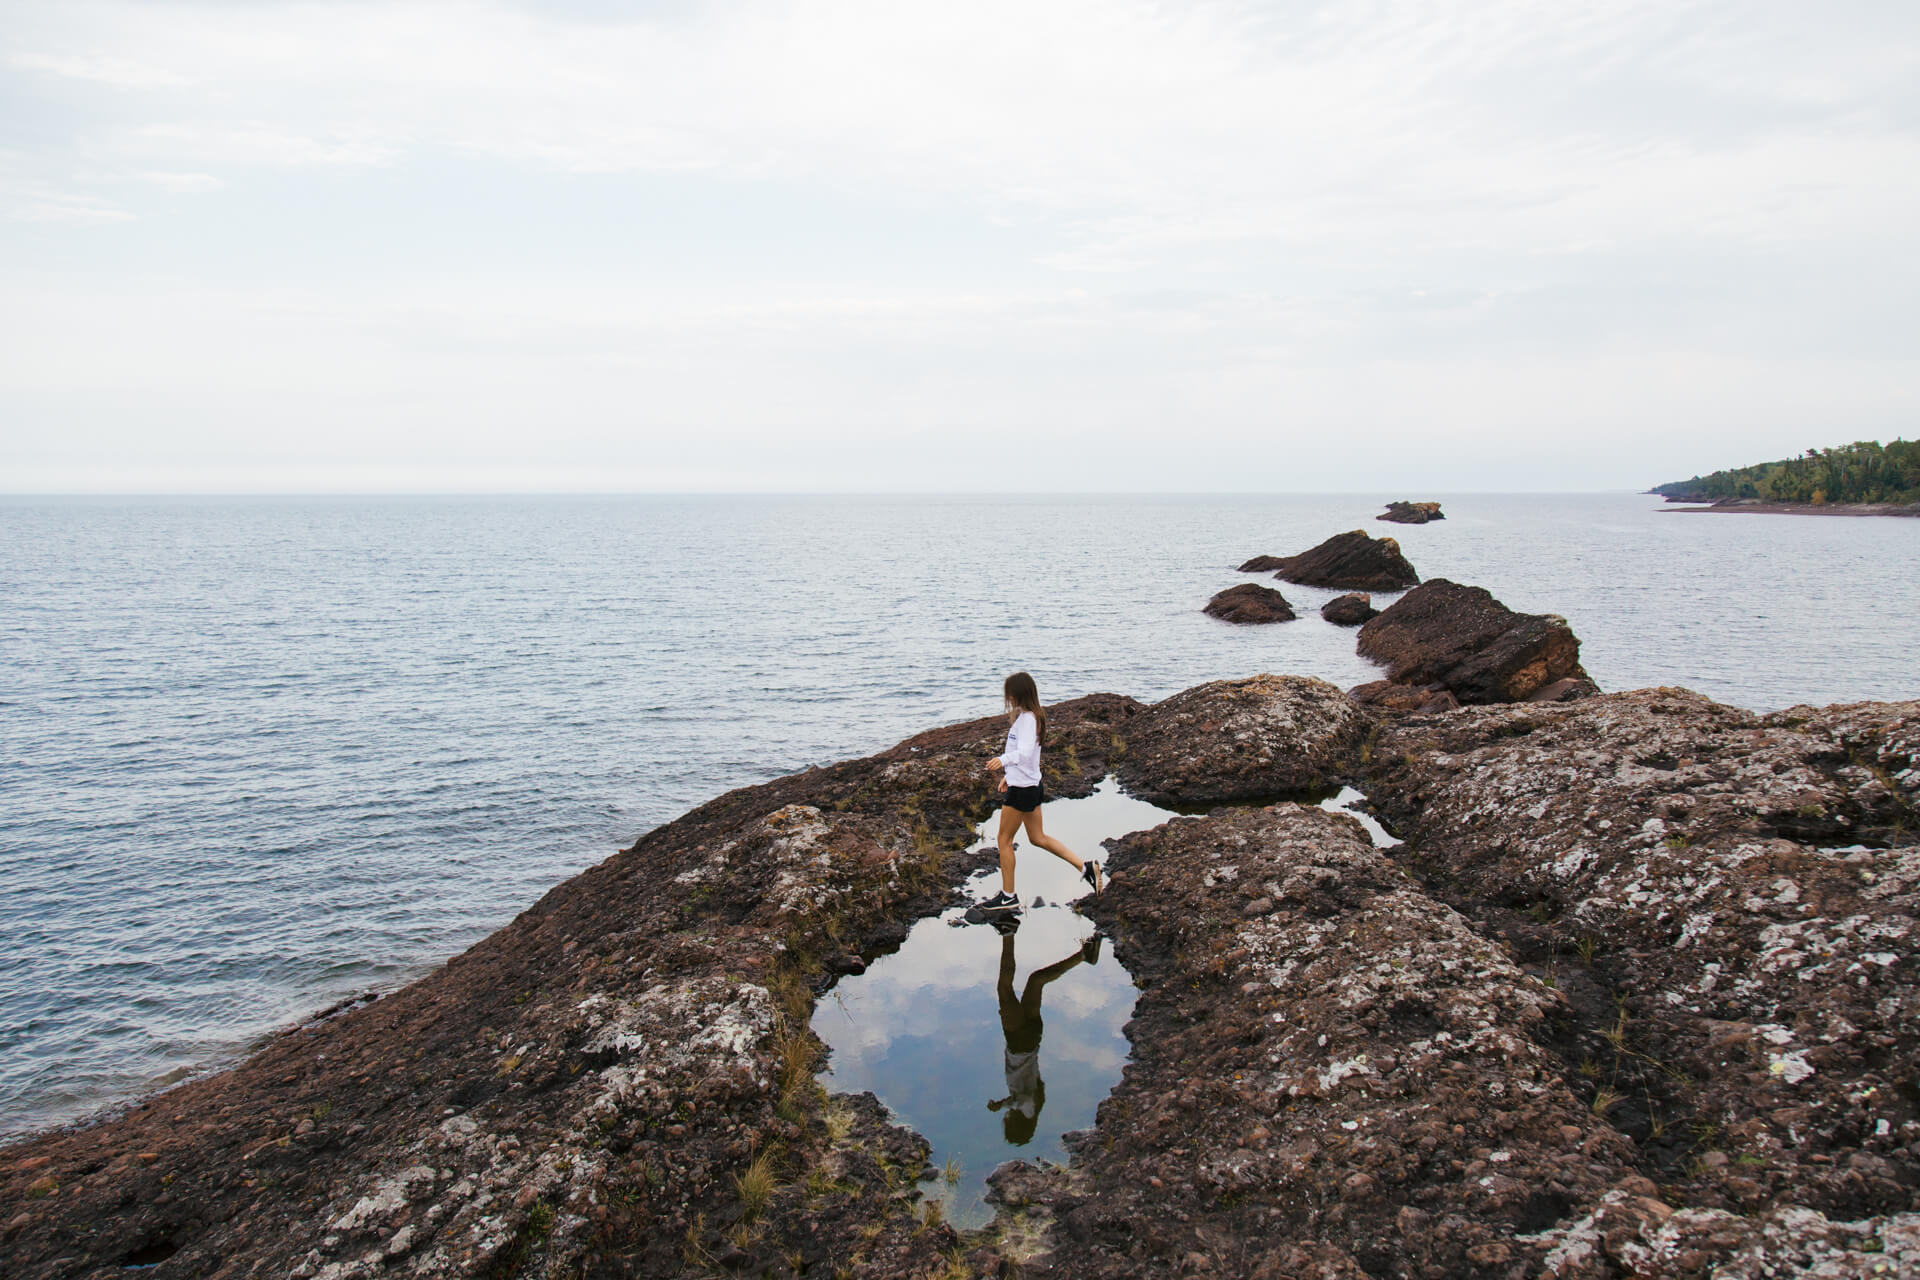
{"points": [[1865, 471]]}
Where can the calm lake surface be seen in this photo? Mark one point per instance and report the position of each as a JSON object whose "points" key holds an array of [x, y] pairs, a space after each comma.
{"points": [[258, 754]]}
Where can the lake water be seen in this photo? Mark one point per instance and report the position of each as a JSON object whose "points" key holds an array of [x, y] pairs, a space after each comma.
{"points": [[258, 754]]}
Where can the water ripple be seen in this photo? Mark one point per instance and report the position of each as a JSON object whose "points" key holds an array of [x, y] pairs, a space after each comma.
{"points": [[257, 755]]}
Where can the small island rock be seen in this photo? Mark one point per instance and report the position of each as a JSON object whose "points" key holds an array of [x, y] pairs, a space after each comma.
{"points": [[1411, 513], [1249, 603], [1263, 564], [1349, 610], [1445, 637], [1350, 562]]}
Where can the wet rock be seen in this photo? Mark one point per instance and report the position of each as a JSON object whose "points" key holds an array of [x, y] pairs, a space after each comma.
{"points": [[1262, 564], [1349, 561], [1349, 610], [1250, 603], [1447, 636], [1240, 740], [1411, 513]]}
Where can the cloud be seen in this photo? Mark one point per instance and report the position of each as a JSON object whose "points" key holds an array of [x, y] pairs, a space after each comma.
{"points": [[120, 73], [676, 233]]}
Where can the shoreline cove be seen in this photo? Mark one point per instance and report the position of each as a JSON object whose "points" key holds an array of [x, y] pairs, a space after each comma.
{"points": [[1795, 509], [1637, 983]]}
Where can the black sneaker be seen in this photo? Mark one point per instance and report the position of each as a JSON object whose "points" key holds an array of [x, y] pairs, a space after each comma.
{"points": [[1002, 901], [1091, 873]]}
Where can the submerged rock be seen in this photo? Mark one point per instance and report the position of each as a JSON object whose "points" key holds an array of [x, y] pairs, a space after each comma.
{"points": [[1445, 637], [1250, 603], [1411, 513], [1234, 740], [1349, 610], [1348, 561]]}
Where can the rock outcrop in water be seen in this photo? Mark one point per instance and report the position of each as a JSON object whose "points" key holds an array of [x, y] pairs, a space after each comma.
{"points": [[1347, 562], [1350, 610], [1411, 513], [1638, 996], [1459, 645], [1250, 603]]}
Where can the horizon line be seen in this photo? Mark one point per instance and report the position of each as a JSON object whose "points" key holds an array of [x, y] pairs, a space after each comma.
{"points": [[8, 494]]}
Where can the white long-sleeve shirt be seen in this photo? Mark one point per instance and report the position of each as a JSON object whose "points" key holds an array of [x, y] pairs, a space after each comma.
{"points": [[1021, 759]]}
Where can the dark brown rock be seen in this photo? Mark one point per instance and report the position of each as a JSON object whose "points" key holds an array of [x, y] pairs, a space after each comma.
{"points": [[1234, 740], [579, 1092], [1250, 603], [1459, 638], [1638, 996], [1411, 513], [1731, 903], [1352, 1026], [1349, 610], [1389, 696], [1350, 562], [1262, 564]]}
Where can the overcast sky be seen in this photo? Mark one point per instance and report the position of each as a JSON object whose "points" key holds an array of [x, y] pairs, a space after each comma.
{"points": [[1044, 244]]}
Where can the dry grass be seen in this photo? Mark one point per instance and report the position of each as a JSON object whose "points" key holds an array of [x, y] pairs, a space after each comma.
{"points": [[756, 1185], [839, 1123]]}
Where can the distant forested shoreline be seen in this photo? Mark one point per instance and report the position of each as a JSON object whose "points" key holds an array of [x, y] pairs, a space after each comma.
{"points": [[1863, 472]]}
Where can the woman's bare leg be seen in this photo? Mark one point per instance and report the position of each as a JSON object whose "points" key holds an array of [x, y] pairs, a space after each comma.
{"points": [[1041, 840], [1009, 823]]}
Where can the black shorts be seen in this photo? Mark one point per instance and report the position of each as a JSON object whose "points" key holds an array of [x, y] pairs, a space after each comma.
{"points": [[1025, 799]]}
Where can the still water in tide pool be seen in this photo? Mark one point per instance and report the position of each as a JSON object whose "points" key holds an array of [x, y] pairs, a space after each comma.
{"points": [[259, 754], [992, 1043]]}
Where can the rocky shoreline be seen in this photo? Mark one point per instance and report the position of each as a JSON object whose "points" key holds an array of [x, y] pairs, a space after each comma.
{"points": [[1754, 506], [1637, 995]]}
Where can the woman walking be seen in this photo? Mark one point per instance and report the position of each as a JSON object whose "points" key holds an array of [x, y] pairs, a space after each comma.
{"points": [[1019, 767]]}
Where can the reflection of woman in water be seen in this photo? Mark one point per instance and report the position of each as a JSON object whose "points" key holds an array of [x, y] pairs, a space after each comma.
{"points": [[1020, 1023]]}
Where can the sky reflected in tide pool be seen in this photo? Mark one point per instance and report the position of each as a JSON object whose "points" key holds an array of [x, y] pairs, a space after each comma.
{"points": [[993, 1043]]}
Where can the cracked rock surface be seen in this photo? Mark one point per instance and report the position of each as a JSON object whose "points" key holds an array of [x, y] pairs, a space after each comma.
{"points": [[1459, 641]]}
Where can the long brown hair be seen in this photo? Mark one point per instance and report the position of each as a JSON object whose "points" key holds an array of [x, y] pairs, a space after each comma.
{"points": [[1021, 692]]}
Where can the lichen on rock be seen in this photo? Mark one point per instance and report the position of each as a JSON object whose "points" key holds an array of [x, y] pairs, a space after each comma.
{"points": [[1238, 740]]}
